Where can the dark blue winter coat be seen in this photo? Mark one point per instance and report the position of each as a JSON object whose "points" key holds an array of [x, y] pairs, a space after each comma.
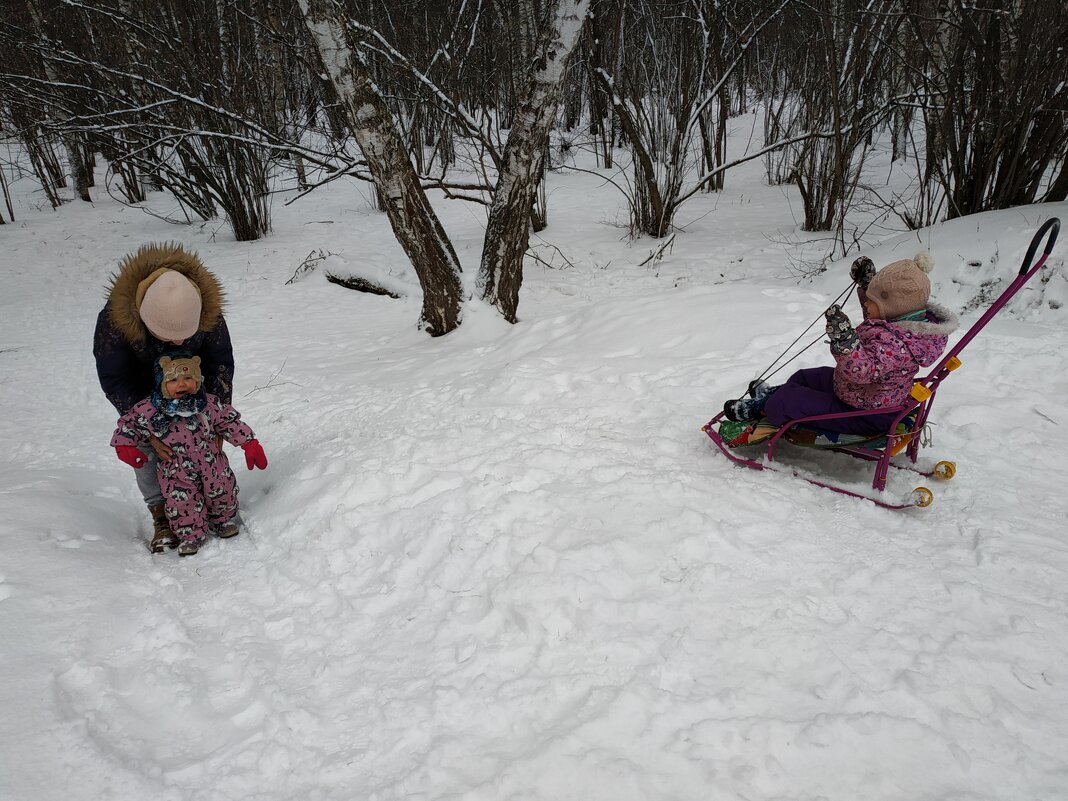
{"points": [[125, 350]]}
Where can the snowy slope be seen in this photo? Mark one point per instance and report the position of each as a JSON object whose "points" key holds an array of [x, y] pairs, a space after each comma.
{"points": [[506, 564]]}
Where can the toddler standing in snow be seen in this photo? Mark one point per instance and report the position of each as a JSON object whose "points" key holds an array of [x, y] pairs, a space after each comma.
{"points": [[199, 488], [875, 364]]}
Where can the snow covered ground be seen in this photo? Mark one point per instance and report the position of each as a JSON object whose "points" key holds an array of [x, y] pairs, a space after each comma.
{"points": [[506, 564]]}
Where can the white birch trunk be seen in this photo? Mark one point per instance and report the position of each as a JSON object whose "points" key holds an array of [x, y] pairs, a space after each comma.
{"points": [[414, 222], [507, 232]]}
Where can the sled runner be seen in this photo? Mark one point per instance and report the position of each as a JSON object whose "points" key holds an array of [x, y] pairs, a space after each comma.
{"points": [[906, 433]]}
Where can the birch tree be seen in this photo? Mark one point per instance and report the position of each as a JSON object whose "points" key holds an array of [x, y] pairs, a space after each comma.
{"points": [[414, 222], [507, 233]]}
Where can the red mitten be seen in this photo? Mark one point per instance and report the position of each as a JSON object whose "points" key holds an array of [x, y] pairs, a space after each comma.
{"points": [[131, 455], [254, 455]]}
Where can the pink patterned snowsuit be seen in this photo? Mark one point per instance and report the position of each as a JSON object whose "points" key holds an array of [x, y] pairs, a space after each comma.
{"points": [[199, 488], [879, 372]]}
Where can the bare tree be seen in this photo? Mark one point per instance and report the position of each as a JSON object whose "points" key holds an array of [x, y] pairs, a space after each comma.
{"points": [[843, 91], [215, 101], [78, 158], [664, 105], [992, 85], [7, 196], [507, 233]]}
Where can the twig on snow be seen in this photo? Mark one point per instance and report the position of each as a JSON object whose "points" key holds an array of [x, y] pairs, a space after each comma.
{"points": [[311, 261], [270, 381]]}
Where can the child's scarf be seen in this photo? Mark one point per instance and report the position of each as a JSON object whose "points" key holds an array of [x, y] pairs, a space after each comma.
{"points": [[167, 409], [916, 316]]}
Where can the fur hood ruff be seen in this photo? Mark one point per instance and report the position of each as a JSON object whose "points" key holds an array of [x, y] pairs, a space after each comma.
{"points": [[919, 334], [944, 323], [135, 268]]}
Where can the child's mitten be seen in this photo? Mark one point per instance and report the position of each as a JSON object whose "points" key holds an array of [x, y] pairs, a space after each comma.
{"points": [[254, 455], [131, 455], [862, 271], [840, 331]]}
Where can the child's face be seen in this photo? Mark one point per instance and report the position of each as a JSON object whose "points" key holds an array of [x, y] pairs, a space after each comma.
{"points": [[180, 387], [871, 308]]}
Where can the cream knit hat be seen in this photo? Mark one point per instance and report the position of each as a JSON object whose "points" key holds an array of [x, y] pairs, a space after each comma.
{"points": [[902, 287], [169, 305]]}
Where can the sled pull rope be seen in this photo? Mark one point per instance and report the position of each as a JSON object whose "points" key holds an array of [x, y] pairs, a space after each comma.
{"points": [[769, 372]]}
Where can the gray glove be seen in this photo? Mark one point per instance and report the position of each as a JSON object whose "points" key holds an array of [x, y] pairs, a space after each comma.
{"points": [[840, 331], [862, 271]]}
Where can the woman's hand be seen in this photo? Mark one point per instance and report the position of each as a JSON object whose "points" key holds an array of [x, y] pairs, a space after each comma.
{"points": [[162, 450]]}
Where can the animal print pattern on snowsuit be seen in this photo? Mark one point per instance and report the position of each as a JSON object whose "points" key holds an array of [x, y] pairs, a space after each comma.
{"points": [[199, 488]]}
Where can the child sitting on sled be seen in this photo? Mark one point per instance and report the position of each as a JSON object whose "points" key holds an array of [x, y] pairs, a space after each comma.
{"points": [[186, 427], [875, 363]]}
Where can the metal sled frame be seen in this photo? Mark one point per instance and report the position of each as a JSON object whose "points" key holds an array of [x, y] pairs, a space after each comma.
{"points": [[918, 408]]}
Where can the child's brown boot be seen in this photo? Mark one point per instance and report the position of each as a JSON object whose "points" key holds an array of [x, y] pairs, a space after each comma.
{"points": [[227, 530], [162, 536], [189, 547]]}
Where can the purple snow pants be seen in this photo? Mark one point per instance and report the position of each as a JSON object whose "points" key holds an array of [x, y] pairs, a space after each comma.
{"points": [[810, 392]]}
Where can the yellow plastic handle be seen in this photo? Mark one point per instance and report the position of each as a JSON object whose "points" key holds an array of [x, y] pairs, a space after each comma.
{"points": [[953, 363], [920, 392]]}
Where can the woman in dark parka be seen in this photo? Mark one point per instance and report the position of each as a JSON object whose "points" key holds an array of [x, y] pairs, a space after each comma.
{"points": [[161, 296]]}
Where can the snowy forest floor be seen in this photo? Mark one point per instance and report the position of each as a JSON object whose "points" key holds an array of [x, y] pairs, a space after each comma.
{"points": [[506, 563]]}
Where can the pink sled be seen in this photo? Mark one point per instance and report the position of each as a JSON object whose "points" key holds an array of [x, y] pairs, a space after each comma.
{"points": [[905, 432]]}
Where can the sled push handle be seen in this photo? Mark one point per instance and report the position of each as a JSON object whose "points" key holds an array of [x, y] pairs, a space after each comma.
{"points": [[1049, 230], [1053, 226], [924, 389]]}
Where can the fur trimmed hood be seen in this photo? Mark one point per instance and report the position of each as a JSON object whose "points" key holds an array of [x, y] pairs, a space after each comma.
{"points": [[924, 339], [135, 268], [940, 322]]}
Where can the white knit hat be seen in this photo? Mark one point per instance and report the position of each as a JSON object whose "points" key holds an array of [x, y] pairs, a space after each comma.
{"points": [[169, 305]]}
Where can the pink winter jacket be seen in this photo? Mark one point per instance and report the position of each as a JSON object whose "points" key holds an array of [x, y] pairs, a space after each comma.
{"points": [[879, 372], [194, 436]]}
